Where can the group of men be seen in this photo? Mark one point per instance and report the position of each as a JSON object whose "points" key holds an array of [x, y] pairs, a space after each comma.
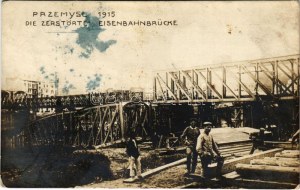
{"points": [[203, 145], [197, 144]]}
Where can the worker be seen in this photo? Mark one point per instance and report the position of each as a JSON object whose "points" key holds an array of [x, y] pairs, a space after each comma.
{"points": [[208, 151], [133, 153], [190, 135], [257, 140]]}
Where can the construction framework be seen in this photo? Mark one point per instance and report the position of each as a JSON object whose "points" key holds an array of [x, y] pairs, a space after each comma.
{"points": [[96, 126], [92, 120], [273, 78]]}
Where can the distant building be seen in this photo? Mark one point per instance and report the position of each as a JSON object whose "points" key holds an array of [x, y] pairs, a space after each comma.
{"points": [[39, 89], [30, 87]]}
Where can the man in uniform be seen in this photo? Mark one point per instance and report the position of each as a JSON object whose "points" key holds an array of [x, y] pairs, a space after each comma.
{"points": [[190, 134], [208, 151]]}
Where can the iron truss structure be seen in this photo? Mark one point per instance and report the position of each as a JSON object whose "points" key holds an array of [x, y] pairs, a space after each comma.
{"points": [[105, 119], [18, 100], [96, 126], [273, 78]]}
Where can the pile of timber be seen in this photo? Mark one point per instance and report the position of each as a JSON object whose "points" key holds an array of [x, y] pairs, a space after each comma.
{"points": [[281, 171], [236, 149]]}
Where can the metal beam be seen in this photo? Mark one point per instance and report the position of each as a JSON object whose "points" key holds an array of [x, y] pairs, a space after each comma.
{"points": [[199, 90], [177, 81], [263, 87], [224, 84], [208, 84], [159, 77]]}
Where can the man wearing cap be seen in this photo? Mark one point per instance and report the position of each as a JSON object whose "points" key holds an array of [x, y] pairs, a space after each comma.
{"points": [[190, 134], [208, 151]]}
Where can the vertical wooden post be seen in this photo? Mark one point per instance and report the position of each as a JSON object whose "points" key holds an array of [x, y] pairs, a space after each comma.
{"points": [[154, 89], [122, 121], [224, 82], [276, 77], [240, 80], [292, 79]]}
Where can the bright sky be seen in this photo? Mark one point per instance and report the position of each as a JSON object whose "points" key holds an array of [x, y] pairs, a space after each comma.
{"points": [[207, 33]]}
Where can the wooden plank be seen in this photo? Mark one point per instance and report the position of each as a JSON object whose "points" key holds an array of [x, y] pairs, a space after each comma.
{"points": [[231, 175], [276, 144], [237, 154], [156, 170], [230, 165], [287, 155], [273, 173], [274, 162], [297, 152], [188, 186], [264, 168], [233, 153], [238, 149], [234, 146], [105, 145], [260, 184], [240, 154], [282, 158], [231, 143]]}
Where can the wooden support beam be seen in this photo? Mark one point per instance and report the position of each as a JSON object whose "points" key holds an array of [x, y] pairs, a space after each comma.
{"points": [[270, 75], [224, 84], [231, 153], [275, 162], [281, 158], [195, 85], [208, 84], [288, 154], [156, 170], [234, 179], [241, 84], [276, 144], [105, 145], [159, 78], [287, 74], [188, 186], [230, 165], [291, 152], [261, 85], [178, 82], [273, 173], [161, 89], [236, 148]]}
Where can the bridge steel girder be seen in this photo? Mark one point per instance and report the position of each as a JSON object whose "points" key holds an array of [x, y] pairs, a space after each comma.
{"points": [[272, 78], [19, 100], [96, 126]]}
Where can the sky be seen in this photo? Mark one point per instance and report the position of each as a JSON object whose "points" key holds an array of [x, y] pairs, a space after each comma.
{"points": [[96, 58]]}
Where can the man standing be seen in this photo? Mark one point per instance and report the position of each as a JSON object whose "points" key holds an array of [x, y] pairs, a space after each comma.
{"points": [[134, 157], [191, 134], [208, 151]]}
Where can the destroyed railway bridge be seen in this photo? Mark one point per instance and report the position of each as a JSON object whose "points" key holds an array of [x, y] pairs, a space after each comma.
{"points": [[251, 93]]}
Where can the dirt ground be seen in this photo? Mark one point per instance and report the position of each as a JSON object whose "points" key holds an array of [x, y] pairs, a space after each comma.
{"points": [[52, 167], [170, 178]]}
